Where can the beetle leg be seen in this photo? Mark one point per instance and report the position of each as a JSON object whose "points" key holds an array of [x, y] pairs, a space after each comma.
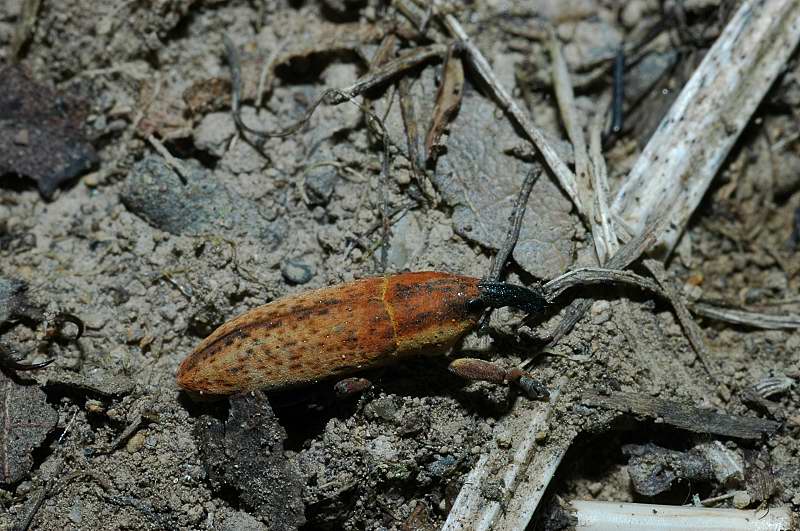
{"points": [[475, 369], [486, 371]]}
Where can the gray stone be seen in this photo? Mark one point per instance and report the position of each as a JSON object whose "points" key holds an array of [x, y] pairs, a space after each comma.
{"points": [[155, 193], [319, 182], [296, 272]]}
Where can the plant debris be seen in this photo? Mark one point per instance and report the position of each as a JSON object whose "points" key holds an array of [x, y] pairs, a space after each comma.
{"points": [[26, 419], [245, 453], [684, 416], [41, 132], [448, 99], [481, 183]]}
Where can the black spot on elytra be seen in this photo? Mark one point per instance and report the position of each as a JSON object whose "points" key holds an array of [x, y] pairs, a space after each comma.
{"points": [[424, 318]]}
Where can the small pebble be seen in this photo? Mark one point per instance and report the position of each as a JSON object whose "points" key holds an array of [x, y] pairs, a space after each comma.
{"points": [[296, 272], [741, 500], [135, 442], [75, 513], [319, 183]]}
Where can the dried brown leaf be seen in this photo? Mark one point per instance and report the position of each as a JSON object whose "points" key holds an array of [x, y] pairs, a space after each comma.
{"points": [[448, 100], [481, 183]]}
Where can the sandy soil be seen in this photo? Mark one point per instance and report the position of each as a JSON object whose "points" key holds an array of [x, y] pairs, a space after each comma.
{"points": [[152, 266]]}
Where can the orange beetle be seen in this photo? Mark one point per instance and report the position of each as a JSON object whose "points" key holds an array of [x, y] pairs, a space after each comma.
{"points": [[341, 329]]}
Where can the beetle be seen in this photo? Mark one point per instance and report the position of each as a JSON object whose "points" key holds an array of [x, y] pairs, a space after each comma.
{"points": [[341, 329]]}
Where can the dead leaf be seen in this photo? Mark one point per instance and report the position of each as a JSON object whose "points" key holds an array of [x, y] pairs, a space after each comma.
{"points": [[448, 99], [481, 182], [40, 132], [25, 421]]}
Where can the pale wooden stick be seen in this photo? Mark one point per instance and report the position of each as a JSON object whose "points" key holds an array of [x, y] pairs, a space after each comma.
{"points": [[626, 516], [747, 318], [600, 174], [513, 468], [694, 138], [584, 173]]}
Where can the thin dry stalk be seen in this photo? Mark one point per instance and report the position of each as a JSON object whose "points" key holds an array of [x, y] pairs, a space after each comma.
{"points": [[565, 95], [747, 318], [690, 328]]}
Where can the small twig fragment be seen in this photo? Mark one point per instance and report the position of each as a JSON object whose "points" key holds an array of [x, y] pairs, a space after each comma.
{"points": [[683, 416], [693, 332], [515, 225], [176, 165], [386, 72], [746, 318], [586, 276]]}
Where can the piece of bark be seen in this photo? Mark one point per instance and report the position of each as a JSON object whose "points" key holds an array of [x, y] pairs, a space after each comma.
{"points": [[25, 421], [654, 469], [245, 453], [684, 416]]}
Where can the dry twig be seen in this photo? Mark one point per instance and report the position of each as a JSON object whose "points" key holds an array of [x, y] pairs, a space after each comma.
{"points": [[691, 329]]}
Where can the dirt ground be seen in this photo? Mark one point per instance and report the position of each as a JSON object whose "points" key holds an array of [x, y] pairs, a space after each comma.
{"points": [[152, 265]]}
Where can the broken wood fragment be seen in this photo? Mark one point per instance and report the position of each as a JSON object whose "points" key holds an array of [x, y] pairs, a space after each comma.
{"points": [[684, 416]]}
